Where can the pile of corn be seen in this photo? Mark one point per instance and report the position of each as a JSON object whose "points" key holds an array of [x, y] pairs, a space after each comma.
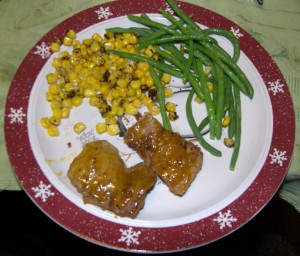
{"points": [[112, 84]]}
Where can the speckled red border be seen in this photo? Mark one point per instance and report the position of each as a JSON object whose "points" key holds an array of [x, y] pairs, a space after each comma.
{"points": [[144, 239]]}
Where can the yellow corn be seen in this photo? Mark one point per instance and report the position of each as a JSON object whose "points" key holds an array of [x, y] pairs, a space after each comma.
{"points": [[198, 100], [101, 128], [45, 122], [79, 127], [170, 106], [53, 131], [229, 142], [153, 109], [226, 121], [113, 129]]}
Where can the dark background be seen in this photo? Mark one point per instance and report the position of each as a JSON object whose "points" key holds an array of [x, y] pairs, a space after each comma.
{"points": [[25, 230]]}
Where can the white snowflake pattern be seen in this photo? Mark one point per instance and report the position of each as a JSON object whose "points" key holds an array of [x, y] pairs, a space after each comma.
{"points": [[43, 50], [236, 32], [103, 13], [16, 115], [86, 137], [225, 219], [43, 191], [278, 157], [129, 236], [276, 87]]}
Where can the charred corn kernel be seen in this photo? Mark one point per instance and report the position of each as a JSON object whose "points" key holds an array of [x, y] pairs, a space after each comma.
{"points": [[210, 86], [53, 131], [71, 33], [65, 112], [67, 41], [149, 51], [88, 93], [130, 109], [52, 78], [166, 78], [113, 129], [110, 120], [170, 106], [207, 70], [79, 127], [54, 88], [56, 112], [153, 109], [54, 120], [226, 121], [198, 100], [168, 92], [76, 101], [135, 84], [45, 122], [229, 142], [101, 128], [173, 116]]}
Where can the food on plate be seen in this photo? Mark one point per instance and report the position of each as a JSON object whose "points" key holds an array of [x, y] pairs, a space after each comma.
{"points": [[175, 160], [101, 176]]}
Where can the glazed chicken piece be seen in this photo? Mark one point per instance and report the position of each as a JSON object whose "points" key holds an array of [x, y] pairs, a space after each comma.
{"points": [[174, 159], [103, 179]]}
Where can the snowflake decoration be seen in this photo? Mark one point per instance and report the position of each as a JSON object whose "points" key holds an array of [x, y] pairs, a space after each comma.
{"points": [[87, 137], [225, 219], [43, 191], [103, 13], [278, 157], [43, 50], [16, 115], [236, 32], [276, 87], [129, 236]]}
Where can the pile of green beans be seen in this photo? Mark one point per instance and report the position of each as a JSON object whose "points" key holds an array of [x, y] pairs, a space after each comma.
{"points": [[198, 50]]}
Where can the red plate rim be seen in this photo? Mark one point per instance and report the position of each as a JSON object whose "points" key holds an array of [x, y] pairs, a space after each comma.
{"points": [[145, 239]]}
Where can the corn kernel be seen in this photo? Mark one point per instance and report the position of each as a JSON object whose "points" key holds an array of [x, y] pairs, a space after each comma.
{"points": [[67, 103], [71, 33], [54, 120], [229, 142], [226, 121], [168, 92], [207, 70], [113, 129], [54, 88], [76, 101], [53, 131], [52, 78], [130, 109], [135, 84], [153, 109], [110, 120], [210, 86], [67, 41], [45, 122], [170, 106], [79, 127], [88, 93], [56, 112], [101, 128], [65, 113], [166, 78], [136, 103], [198, 100]]}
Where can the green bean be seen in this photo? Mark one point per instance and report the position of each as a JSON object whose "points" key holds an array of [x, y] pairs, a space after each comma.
{"points": [[194, 127], [189, 62], [238, 129], [161, 66], [194, 83], [175, 38], [230, 36], [208, 100], [203, 124], [138, 30], [219, 102], [151, 23], [232, 114], [161, 99]]}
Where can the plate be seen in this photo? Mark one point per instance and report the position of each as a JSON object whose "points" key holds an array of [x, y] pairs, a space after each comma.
{"points": [[218, 202]]}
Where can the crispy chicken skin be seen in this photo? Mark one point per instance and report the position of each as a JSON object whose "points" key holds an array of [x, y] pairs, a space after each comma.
{"points": [[103, 179], [174, 159]]}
